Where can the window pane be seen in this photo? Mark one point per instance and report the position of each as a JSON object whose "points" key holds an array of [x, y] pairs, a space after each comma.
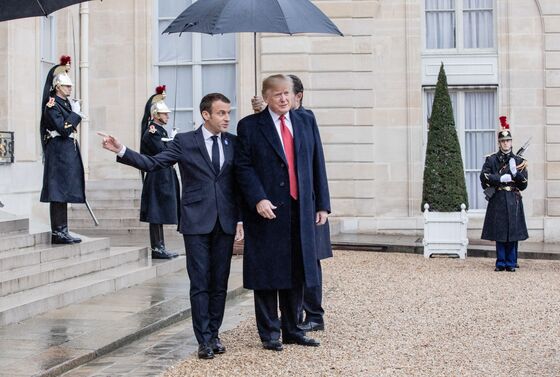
{"points": [[172, 47], [218, 46], [172, 8], [219, 78], [183, 121], [183, 77], [478, 23], [475, 192], [440, 24], [480, 108]]}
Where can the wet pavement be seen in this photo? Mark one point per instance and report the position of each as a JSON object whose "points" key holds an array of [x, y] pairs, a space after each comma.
{"points": [[155, 353], [57, 341]]}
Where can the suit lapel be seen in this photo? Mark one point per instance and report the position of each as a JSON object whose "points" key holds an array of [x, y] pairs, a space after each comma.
{"points": [[297, 127], [269, 131], [199, 137]]}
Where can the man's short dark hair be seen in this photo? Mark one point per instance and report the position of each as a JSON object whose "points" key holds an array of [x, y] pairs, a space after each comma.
{"points": [[298, 86], [209, 99]]}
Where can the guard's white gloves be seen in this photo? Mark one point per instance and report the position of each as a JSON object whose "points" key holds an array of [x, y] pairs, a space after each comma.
{"points": [[505, 178], [173, 133], [512, 166], [75, 104]]}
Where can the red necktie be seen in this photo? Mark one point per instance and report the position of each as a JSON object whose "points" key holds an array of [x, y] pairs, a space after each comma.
{"points": [[288, 141]]}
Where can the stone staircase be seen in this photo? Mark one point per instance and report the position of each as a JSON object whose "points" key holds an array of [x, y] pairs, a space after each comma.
{"points": [[36, 277], [116, 204]]}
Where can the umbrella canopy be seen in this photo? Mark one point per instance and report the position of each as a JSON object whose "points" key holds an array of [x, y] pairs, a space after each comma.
{"points": [[14, 9], [256, 16], [271, 16]]}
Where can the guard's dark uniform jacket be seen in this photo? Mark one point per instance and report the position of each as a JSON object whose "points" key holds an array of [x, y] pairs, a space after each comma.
{"points": [[160, 193], [63, 177], [505, 218]]}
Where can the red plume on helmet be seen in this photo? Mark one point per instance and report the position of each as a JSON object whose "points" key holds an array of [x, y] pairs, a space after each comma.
{"points": [[65, 59], [160, 89], [504, 123]]}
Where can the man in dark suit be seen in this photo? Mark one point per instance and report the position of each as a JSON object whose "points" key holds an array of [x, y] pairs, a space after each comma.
{"points": [[209, 211], [311, 314], [280, 170]]}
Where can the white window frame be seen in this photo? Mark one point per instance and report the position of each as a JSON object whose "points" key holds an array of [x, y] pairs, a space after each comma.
{"points": [[49, 61], [459, 34], [196, 65], [459, 123]]}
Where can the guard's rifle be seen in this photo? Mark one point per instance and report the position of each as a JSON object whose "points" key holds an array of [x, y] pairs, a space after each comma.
{"points": [[491, 190]]}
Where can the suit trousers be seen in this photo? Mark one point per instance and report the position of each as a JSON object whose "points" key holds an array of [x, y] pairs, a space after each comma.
{"points": [[506, 254], [208, 267], [289, 300], [312, 301]]}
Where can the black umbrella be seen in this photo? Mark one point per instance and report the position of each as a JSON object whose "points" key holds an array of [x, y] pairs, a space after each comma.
{"points": [[13, 9], [269, 16]]}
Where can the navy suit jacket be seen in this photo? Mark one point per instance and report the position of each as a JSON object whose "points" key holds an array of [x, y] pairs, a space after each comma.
{"points": [[207, 197], [262, 173]]}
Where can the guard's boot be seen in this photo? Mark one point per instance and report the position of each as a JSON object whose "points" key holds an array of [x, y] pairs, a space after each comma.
{"points": [[59, 235], [156, 243], [162, 239], [59, 224]]}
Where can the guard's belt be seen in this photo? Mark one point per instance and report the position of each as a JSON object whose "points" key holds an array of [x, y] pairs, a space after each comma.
{"points": [[53, 134]]}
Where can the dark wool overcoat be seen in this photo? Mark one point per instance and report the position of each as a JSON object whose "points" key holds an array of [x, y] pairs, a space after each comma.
{"points": [[160, 192], [505, 218], [63, 175], [262, 173]]}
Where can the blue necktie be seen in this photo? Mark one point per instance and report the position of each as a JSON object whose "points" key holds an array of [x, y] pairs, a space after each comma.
{"points": [[215, 154]]}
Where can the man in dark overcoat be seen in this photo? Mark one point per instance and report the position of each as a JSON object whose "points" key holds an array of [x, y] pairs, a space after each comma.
{"points": [[209, 211], [63, 175], [506, 175], [160, 191], [281, 173]]}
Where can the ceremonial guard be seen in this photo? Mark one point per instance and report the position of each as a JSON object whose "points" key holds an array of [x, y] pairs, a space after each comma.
{"points": [[63, 176], [160, 192], [504, 175]]}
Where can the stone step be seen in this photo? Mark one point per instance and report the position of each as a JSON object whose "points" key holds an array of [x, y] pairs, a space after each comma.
{"points": [[104, 213], [110, 203], [25, 278], [110, 223], [45, 252], [137, 231], [17, 241], [114, 184], [114, 194], [21, 305], [13, 225]]}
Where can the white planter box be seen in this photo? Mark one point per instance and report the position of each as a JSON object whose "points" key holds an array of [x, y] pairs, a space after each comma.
{"points": [[445, 232]]}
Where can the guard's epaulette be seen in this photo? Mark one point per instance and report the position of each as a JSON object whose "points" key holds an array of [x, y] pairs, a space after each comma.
{"points": [[152, 129], [490, 154]]}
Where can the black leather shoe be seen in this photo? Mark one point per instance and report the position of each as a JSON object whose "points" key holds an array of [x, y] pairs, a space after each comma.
{"points": [[516, 265], [75, 239], [312, 326], [61, 238], [172, 254], [302, 341], [159, 254], [205, 352], [499, 269], [273, 345], [510, 269], [217, 346]]}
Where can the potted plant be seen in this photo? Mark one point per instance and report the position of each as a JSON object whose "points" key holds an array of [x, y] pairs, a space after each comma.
{"points": [[444, 193]]}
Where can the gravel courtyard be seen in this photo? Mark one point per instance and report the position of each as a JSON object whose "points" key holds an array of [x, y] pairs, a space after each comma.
{"points": [[404, 315]]}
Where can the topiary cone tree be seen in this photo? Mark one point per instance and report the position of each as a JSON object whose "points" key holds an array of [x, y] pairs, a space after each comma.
{"points": [[444, 186]]}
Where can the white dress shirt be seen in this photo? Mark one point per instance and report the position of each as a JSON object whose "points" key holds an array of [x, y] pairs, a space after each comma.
{"points": [[208, 141], [278, 124]]}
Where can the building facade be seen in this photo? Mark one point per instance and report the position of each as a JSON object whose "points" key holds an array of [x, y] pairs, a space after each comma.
{"points": [[371, 91]]}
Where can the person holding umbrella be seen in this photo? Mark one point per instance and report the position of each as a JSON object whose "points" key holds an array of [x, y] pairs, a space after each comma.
{"points": [[63, 175], [281, 173], [160, 191]]}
